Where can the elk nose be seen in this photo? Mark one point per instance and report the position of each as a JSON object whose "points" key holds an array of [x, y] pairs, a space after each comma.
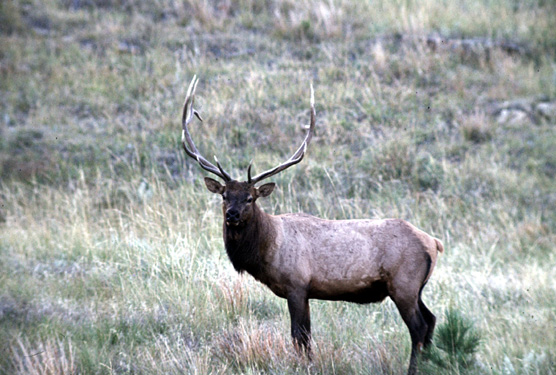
{"points": [[232, 217]]}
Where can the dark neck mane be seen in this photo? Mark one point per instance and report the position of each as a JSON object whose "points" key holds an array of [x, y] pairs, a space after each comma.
{"points": [[246, 244]]}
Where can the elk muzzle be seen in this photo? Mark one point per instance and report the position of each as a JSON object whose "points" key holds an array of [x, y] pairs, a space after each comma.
{"points": [[232, 217]]}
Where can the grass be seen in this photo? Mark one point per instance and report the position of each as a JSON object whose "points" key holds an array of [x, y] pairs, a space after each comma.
{"points": [[111, 257]]}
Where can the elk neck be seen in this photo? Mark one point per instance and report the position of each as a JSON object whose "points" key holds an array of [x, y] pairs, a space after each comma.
{"points": [[247, 244]]}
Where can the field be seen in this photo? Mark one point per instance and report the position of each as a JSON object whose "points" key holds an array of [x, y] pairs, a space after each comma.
{"points": [[442, 113]]}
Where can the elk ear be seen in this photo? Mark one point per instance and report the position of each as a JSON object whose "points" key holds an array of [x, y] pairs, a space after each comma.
{"points": [[214, 186], [266, 189]]}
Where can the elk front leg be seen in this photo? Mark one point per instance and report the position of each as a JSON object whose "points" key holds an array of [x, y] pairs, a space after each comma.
{"points": [[298, 305]]}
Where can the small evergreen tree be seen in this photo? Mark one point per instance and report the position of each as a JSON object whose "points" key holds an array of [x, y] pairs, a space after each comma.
{"points": [[455, 344]]}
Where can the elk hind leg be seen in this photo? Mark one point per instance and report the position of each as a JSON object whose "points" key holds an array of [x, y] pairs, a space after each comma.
{"points": [[430, 320], [411, 314]]}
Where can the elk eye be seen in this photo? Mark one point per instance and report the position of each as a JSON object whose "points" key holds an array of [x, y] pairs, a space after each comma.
{"points": [[249, 199], [224, 196]]}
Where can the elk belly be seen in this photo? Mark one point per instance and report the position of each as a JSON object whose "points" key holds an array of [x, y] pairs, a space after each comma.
{"points": [[362, 291]]}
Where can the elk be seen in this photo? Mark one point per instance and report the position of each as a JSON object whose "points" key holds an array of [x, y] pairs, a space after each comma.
{"points": [[301, 257]]}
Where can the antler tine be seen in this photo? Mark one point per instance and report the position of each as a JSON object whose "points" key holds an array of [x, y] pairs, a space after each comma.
{"points": [[227, 177], [298, 154], [187, 141], [249, 171]]}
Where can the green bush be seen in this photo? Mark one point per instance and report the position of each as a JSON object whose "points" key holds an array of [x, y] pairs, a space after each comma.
{"points": [[455, 346]]}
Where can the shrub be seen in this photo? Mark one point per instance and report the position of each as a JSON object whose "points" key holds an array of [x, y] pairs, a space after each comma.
{"points": [[455, 345]]}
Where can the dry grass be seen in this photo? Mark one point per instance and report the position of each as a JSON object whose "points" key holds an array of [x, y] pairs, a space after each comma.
{"points": [[53, 357]]}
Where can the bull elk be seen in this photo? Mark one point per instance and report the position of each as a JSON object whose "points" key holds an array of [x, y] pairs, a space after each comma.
{"points": [[300, 257]]}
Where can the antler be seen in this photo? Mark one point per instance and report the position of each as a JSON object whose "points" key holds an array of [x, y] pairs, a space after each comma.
{"points": [[186, 140], [296, 157]]}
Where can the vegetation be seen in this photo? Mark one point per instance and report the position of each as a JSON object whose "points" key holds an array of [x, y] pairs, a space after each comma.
{"points": [[111, 257], [455, 348]]}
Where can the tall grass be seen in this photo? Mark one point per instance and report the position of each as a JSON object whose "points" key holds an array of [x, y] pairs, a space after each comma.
{"points": [[111, 257]]}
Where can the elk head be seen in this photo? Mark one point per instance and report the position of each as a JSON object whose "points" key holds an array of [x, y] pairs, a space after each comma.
{"points": [[238, 197]]}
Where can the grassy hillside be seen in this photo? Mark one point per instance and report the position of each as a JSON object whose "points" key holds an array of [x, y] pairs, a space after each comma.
{"points": [[111, 257]]}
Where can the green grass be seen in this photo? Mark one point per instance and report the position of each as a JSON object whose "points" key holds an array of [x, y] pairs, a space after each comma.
{"points": [[111, 257]]}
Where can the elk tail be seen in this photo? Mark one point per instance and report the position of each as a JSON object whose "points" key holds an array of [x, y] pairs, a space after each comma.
{"points": [[439, 246]]}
